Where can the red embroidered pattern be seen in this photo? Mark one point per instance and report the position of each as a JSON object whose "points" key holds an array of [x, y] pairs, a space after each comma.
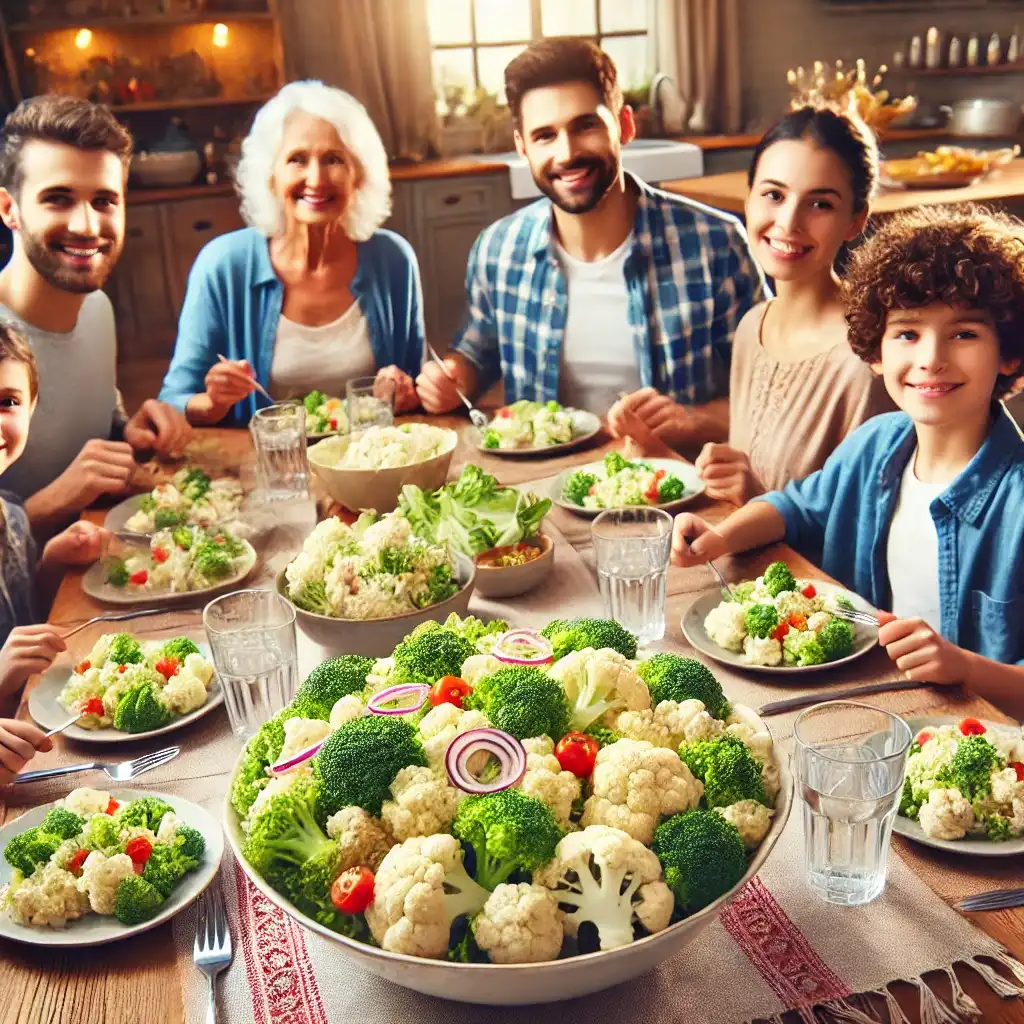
{"points": [[788, 963], [281, 979]]}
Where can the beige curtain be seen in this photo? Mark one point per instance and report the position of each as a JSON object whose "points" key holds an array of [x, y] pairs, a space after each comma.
{"points": [[697, 46], [378, 50]]}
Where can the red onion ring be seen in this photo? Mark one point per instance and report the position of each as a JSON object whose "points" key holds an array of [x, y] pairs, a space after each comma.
{"points": [[293, 760], [392, 693], [507, 749], [545, 655]]}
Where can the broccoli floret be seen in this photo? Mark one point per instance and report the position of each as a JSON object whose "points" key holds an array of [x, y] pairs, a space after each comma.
{"points": [[473, 629], [167, 518], [743, 591], [440, 586], [359, 761], [761, 620], [117, 572], [909, 807], [491, 438], [124, 650], [313, 401], [522, 701], [313, 598], [508, 832], [261, 751], [567, 635], [836, 639], [971, 768], [180, 647], [101, 833], [429, 652], [811, 652], [673, 677], [998, 828], [670, 489], [615, 462], [62, 822], [329, 682], [702, 855], [166, 866], [729, 771], [577, 486], [182, 538], [778, 578], [190, 841], [146, 812], [136, 900], [138, 710], [31, 847], [211, 559], [147, 504], [604, 736]]}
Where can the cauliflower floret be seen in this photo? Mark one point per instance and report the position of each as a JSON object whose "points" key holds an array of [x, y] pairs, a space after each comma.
{"points": [[634, 784], [817, 621], [391, 531], [86, 801], [947, 814], [168, 826], [302, 733], [423, 805], [520, 924], [362, 838], [725, 626], [379, 677], [1005, 787], [126, 834], [758, 651], [600, 683], [479, 666], [668, 724], [792, 602], [101, 875], [439, 726], [346, 709], [49, 898], [752, 820], [183, 693], [196, 665], [546, 781], [746, 725]]}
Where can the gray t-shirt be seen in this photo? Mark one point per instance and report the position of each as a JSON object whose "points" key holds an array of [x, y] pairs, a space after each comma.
{"points": [[77, 393]]}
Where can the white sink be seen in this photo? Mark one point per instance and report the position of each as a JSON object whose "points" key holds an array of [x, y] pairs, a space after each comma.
{"points": [[653, 160]]}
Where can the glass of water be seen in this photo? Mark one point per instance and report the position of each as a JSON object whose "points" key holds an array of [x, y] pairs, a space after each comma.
{"points": [[632, 546], [849, 764], [370, 402], [279, 434], [252, 639]]}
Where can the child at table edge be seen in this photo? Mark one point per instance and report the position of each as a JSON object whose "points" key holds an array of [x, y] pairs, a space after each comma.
{"points": [[921, 510], [28, 648]]}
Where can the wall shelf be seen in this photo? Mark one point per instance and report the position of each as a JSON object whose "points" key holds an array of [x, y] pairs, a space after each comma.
{"points": [[128, 24], [149, 106], [1017, 68]]}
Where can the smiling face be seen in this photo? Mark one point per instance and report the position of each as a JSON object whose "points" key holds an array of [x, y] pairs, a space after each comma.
{"points": [[314, 175], [16, 407], [68, 213], [573, 143], [800, 210]]}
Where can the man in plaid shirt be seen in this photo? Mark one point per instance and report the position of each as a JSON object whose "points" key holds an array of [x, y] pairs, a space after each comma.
{"points": [[607, 286]]}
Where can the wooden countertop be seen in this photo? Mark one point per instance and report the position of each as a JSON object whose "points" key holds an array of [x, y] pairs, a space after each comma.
{"points": [[729, 191]]}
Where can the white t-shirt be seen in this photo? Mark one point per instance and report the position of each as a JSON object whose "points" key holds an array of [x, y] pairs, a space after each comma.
{"points": [[912, 552], [598, 359], [321, 358]]}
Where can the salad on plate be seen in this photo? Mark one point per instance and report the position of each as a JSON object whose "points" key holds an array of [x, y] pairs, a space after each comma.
{"points": [[191, 498], [137, 687], [620, 482], [324, 415], [485, 795], [526, 424], [966, 780]]}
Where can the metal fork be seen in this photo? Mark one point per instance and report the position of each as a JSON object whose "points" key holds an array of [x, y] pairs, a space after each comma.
{"points": [[477, 418], [123, 771], [726, 589], [119, 617], [864, 618], [996, 899], [212, 950]]}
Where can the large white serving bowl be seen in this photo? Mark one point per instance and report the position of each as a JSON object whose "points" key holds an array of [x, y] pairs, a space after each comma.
{"points": [[523, 984]]}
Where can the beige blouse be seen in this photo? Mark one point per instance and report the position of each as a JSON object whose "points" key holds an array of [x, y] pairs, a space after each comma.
{"points": [[789, 417]]}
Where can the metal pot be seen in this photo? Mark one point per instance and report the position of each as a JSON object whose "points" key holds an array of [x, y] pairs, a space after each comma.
{"points": [[984, 117]]}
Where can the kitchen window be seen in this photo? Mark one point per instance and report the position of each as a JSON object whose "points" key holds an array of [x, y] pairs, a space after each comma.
{"points": [[473, 40]]}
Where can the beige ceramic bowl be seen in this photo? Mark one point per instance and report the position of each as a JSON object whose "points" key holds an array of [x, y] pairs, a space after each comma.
{"points": [[513, 580], [359, 489]]}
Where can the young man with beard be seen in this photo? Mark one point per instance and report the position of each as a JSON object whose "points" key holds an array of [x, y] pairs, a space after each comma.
{"points": [[63, 167], [607, 286]]}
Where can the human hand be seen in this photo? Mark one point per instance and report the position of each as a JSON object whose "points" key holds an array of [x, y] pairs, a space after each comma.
{"points": [[19, 742], [641, 441], [663, 416], [438, 391], [229, 382], [406, 398], [27, 651], [82, 543], [101, 467], [921, 653], [695, 541], [158, 427], [727, 474]]}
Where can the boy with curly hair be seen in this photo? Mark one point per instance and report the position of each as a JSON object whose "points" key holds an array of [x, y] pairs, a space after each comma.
{"points": [[922, 510]]}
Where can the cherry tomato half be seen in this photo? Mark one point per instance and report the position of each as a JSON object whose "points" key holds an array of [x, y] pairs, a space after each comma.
{"points": [[112, 807], [93, 706], [75, 862], [352, 890], [798, 621], [140, 577], [576, 753], [83, 666], [449, 690], [1018, 767], [138, 849], [809, 591], [167, 667], [972, 727], [923, 737], [161, 554], [780, 631]]}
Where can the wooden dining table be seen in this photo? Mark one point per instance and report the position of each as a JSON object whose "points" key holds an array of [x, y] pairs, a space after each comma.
{"points": [[137, 981]]}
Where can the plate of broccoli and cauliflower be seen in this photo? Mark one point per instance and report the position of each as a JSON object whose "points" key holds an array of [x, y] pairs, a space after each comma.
{"points": [[528, 800], [615, 482], [778, 623], [98, 866]]}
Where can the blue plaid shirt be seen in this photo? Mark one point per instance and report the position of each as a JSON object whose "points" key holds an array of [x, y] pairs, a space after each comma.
{"points": [[689, 279]]}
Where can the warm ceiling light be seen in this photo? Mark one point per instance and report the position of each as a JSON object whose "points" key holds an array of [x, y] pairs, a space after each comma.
{"points": [[220, 35], [83, 38], [30, 52]]}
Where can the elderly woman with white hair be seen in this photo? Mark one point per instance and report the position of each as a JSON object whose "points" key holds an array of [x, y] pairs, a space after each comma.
{"points": [[313, 293]]}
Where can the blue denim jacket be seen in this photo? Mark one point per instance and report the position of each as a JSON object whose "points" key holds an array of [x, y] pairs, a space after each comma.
{"points": [[839, 518]]}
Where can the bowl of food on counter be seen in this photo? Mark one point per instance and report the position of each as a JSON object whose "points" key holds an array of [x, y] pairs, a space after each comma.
{"points": [[514, 569]]}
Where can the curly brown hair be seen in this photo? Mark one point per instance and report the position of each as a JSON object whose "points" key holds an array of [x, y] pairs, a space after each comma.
{"points": [[15, 348], [964, 256]]}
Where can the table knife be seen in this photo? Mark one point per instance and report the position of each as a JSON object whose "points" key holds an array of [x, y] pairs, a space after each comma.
{"points": [[779, 707], [996, 899]]}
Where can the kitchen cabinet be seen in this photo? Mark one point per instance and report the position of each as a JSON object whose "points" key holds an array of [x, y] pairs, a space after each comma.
{"points": [[191, 224]]}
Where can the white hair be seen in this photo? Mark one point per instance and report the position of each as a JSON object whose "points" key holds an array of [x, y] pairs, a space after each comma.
{"points": [[369, 206]]}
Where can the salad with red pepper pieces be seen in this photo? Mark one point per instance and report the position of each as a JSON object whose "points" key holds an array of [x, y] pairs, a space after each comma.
{"points": [[619, 482]]}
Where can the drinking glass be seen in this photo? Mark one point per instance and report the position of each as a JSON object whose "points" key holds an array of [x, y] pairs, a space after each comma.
{"points": [[370, 402], [632, 547], [252, 639], [849, 763], [279, 434]]}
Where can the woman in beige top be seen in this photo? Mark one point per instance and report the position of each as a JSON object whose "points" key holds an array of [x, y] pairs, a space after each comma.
{"points": [[796, 389]]}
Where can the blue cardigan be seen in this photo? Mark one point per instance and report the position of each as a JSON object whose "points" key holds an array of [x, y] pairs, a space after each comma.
{"points": [[233, 304]]}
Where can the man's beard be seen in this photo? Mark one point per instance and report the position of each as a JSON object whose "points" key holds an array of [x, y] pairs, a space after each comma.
{"points": [[49, 265], [581, 202]]}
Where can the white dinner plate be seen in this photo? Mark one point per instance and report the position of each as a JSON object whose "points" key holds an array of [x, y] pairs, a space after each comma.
{"points": [[688, 474], [910, 829], [48, 714], [864, 637], [95, 584], [585, 425], [97, 929], [117, 517]]}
